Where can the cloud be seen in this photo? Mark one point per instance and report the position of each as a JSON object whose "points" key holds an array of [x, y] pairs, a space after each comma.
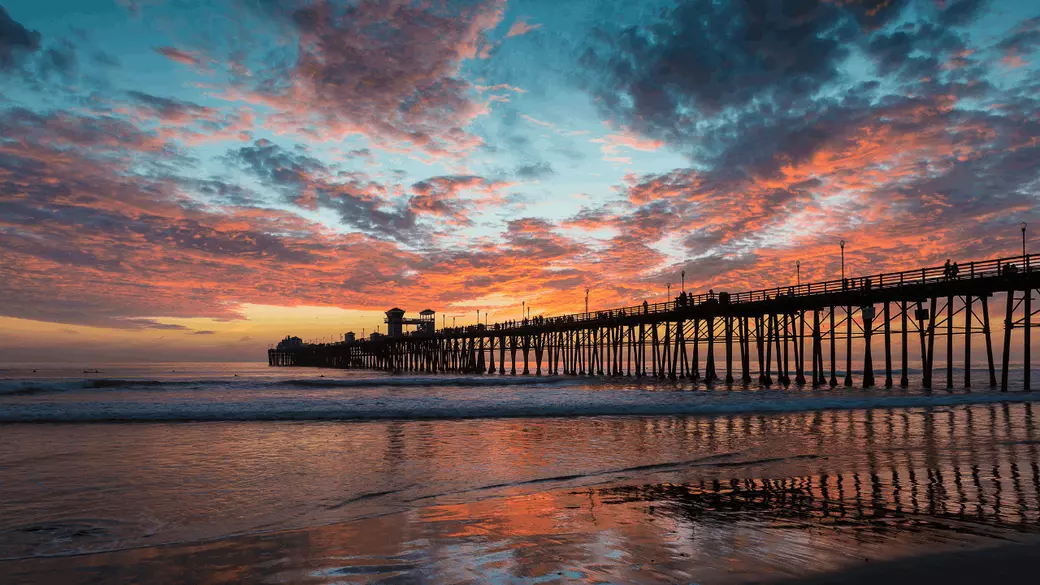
{"points": [[206, 332], [305, 181], [454, 197], [521, 27], [15, 40], [534, 171], [169, 109], [961, 12], [381, 68], [704, 57], [180, 56]]}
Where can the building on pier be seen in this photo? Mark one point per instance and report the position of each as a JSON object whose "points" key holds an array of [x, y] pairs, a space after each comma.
{"points": [[290, 343], [396, 321]]}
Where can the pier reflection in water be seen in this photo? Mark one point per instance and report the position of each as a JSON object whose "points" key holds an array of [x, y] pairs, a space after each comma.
{"points": [[816, 491]]}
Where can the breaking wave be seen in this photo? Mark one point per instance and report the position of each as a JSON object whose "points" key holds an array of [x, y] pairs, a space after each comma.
{"points": [[34, 387], [549, 403]]}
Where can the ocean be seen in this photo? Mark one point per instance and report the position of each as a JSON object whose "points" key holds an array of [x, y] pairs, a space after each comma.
{"points": [[220, 473]]}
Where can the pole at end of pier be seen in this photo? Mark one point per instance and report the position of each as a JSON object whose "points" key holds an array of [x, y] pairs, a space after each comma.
{"points": [[1023, 238]]}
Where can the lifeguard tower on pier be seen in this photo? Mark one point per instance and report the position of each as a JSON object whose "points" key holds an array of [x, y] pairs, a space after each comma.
{"points": [[396, 322]]}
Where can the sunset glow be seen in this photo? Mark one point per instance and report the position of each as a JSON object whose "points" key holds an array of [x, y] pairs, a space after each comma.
{"points": [[195, 180]]}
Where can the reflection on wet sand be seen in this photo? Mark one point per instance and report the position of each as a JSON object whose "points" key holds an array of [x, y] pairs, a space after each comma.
{"points": [[836, 490]]}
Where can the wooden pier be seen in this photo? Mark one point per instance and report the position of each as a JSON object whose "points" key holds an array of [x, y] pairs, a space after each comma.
{"points": [[786, 332]]}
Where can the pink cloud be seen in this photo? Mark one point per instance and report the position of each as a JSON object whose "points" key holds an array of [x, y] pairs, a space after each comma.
{"points": [[521, 27], [180, 56]]}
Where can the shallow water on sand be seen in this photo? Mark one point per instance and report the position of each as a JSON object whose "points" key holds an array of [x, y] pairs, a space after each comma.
{"points": [[716, 486]]}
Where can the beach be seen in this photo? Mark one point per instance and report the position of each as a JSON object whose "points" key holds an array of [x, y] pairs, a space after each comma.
{"points": [[403, 480]]}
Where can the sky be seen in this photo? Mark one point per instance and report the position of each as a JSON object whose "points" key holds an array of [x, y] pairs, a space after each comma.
{"points": [[196, 179]]}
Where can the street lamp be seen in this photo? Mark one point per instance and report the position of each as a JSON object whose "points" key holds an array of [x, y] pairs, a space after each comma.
{"points": [[683, 281], [669, 292], [586, 302], [798, 271], [478, 316], [842, 244], [523, 309], [1023, 238]]}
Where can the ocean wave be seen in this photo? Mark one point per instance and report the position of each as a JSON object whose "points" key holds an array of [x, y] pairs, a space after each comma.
{"points": [[32, 387], [427, 381], [570, 404], [29, 387]]}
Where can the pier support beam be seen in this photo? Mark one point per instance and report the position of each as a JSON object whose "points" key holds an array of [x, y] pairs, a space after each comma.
{"points": [[848, 345], [867, 316], [1008, 325], [800, 345], [834, 350], [989, 342], [969, 316], [729, 349]]}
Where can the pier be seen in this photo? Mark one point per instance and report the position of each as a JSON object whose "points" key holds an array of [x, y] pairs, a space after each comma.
{"points": [[797, 334]]}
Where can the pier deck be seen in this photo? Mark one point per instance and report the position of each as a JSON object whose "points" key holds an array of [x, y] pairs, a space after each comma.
{"points": [[769, 328]]}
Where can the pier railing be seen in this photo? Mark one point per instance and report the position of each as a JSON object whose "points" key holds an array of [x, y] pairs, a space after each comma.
{"points": [[884, 280]]}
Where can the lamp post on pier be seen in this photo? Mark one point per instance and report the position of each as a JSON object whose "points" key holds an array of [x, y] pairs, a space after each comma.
{"points": [[669, 292], [842, 244], [586, 303], [798, 271], [523, 310], [682, 276], [1023, 238]]}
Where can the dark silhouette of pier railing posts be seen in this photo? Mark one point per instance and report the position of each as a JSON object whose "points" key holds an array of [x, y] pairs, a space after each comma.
{"points": [[671, 339]]}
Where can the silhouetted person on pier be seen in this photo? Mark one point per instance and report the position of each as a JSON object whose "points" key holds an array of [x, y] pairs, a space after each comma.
{"points": [[947, 269], [711, 294], [954, 270], [646, 307]]}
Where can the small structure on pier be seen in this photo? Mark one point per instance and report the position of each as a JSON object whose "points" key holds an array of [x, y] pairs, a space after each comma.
{"points": [[349, 337], [395, 322], [289, 343]]}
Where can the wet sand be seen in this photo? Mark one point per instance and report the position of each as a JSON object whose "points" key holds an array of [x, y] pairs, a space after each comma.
{"points": [[750, 531], [879, 495]]}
